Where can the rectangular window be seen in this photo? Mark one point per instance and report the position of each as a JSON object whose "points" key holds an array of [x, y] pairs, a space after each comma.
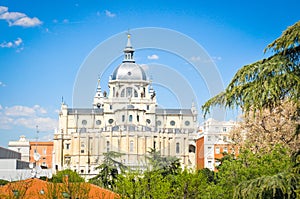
{"points": [[107, 146], [209, 138], [45, 151], [224, 129], [225, 150], [217, 163], [67, 146], [209, 164], [81, 151], [217, 150], [123, 118], [131, 146], [177, 147]]}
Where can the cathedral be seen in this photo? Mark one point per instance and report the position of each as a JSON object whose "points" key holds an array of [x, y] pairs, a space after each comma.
{"points": [[126, 120]]}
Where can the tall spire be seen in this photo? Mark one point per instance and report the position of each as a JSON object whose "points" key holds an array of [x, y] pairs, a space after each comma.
{"points": [[98, 99], [128, 41], [128, 50]]}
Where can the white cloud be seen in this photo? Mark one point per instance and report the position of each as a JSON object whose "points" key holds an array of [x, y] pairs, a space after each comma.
{"points": [[216, 58], [18, 18], [19, 111], [13, 44], [153, 57], [66, 21], [195, 58], [27, 117], [205, 60], [109, 14], [27, 22], [18, 41], [3, 9]]}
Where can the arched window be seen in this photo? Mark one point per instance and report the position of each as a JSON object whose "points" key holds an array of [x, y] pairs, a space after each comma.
{"points": [[177, 147], [136, 93], [128, 92], [130, 118], [123, 93]]}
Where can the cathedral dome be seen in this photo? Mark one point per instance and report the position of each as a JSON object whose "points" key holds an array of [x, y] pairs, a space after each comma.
{"points": [[129, 71]]}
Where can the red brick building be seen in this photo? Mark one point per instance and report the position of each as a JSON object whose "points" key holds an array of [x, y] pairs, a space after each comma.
{"points": [[45, 150]]}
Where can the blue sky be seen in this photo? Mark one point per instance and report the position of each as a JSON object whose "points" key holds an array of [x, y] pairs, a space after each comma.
{"points": [[44, 43]]}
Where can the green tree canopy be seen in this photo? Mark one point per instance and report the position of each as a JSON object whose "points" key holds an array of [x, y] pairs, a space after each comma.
{"points": [[265, 83]]}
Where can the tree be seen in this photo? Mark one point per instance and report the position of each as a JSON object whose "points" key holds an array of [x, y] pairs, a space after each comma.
{"points": [[265, 86], [108, 170], [267, 129], [266, 83], [164, 164], [61, 176]]}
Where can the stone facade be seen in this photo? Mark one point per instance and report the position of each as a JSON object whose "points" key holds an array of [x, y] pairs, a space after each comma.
{"points": [[125, 120]]}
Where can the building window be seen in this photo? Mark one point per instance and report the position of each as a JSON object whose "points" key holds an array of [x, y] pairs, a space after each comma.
{"points": [[130, 118], [110, 121], [154, 145], [136, 93], [187, 123], [123, 93], [128, 92], [148, 121], [19, 149], [110, 107], [209, 138], [225, 150], [177, 147], [98, 122], [84, 122], [137, 118], [209, 148], [81, 151], [217, 150], [147, 107], [209, 164], [123, 118], [68, 146], [45, 151], [224, 129], [34, 151], [172, 123], [107, 146], [131, 146], [158, 123], [82, 145]]}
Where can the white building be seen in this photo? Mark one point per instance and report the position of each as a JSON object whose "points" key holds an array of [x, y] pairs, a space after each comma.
{"points": [[22, 146], [212, 141], [126, 120]]}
